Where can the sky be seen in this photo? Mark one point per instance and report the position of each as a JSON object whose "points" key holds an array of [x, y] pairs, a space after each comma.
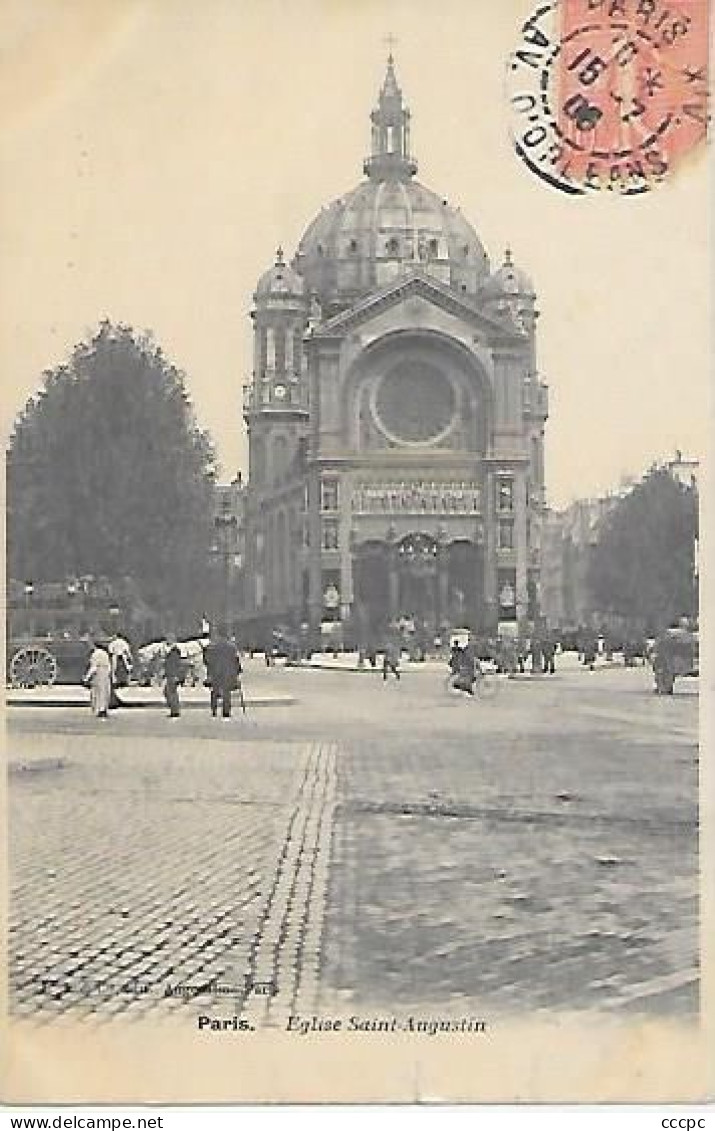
{"points": [[154, 153]]}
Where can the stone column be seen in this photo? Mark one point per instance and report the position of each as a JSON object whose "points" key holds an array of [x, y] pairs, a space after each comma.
{"points": [[346, 553], [442, 581], [489, 560], [315, 578], [270, 348], [521, 548], [394, 579], [257, 352]]}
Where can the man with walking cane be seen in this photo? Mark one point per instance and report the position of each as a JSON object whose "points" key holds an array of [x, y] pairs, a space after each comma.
{"points": [[223, 673]]}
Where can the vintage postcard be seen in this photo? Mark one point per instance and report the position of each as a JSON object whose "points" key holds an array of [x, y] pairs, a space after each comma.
{"points": [[357, 419]]}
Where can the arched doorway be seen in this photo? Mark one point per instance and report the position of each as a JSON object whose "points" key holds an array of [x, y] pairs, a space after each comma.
{"points": [[418, 579], [416, 561]]}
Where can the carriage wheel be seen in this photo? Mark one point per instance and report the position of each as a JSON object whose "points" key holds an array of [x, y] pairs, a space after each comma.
{"points": [[33, 667]]}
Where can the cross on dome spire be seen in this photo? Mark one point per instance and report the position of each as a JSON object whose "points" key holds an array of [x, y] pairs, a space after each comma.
{"points": [[390, 158]]}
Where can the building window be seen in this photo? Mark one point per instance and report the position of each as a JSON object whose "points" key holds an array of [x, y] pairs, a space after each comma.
{"points": [[505, 494], [353, 247], [330, 534], [506, 534], [328, 494], [279, 458], [506, 587], [393, 246], [331, 594], [434, 248]]}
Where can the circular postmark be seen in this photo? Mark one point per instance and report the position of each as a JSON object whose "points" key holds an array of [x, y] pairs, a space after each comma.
{"points": [[609, 94]]}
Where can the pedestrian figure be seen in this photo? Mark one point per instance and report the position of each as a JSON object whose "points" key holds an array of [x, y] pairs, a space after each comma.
{"points": [[304, 638], [223, 668], [454, 660], [120, 656], [173, 676], [507, 656], [98, 678], [391, 656], [537, 655], [548, 648], [589, 649], [120, 653], [470, 668]]}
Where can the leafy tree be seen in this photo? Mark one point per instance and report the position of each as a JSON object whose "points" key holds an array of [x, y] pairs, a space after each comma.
{"points": [[109, 474], [643, 563]]}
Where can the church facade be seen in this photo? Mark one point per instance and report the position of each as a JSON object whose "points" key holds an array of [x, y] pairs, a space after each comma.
{"points": [[395, 416]]}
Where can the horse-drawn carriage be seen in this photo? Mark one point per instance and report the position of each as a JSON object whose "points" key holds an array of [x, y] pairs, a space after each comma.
{"points": [[51, 626], [42, 661]]}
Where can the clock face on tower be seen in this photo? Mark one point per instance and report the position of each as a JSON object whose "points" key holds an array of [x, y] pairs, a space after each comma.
{"points": [[414, 402]]}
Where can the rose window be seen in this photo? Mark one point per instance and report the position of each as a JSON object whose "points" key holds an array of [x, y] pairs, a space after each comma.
{"points": [[414, 402]]}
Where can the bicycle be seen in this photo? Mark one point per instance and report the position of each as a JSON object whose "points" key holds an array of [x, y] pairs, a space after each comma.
{"points": [[487, 685]]}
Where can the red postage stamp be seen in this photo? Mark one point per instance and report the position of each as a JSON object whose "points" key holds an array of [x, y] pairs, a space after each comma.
{"points": [[610, 94]]}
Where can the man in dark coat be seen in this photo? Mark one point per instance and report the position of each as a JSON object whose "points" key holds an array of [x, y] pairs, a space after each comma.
{"points": [[548, 651], [173, 676], [223, 667]]}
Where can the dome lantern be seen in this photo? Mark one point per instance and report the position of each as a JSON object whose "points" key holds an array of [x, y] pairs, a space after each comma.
{"points": [[390, 158]]}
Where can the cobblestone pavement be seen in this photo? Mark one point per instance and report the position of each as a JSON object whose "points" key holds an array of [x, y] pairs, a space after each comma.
{"points": [[142, 866], [372, 846]]}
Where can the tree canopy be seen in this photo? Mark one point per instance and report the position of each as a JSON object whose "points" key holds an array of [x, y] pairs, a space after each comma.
{"points": [[643, 564], [109, 474]]}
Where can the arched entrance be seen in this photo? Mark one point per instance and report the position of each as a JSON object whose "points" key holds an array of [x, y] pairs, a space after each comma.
{"points": [[416, 561], [433, 584]]}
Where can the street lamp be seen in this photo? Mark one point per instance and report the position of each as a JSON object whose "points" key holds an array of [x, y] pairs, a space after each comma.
{"points": [[226, 526], [29, 591]]}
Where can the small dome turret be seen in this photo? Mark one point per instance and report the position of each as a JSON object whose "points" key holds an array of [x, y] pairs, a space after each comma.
{"points": [[509, 281], [280, 281]]}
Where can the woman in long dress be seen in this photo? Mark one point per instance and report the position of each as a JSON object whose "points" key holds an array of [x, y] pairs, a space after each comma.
{"points": [[99, 679]]}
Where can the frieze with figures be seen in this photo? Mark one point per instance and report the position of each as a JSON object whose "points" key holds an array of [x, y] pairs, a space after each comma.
{"points": [[416, 498]]}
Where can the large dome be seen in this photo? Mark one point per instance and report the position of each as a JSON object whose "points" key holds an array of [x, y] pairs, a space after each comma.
{"points": [[379, 229], [390, 223]]}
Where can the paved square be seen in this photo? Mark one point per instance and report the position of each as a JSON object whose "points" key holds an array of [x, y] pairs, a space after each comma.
{"points": [[375, 845]]}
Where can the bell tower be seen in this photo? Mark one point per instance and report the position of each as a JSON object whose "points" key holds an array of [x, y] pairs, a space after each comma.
{"points": [[275, 409], [276, 401]]}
